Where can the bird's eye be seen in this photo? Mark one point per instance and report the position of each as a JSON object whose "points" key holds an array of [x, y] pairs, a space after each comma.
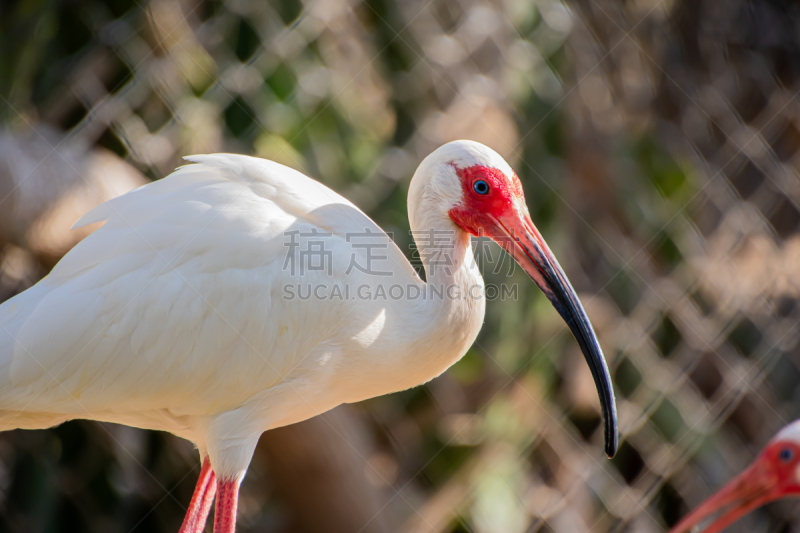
{"points": [[785, 455], [481, 187]]}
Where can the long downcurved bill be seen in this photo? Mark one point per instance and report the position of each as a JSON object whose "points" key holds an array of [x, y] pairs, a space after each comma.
{"points": [[526, 245], [749, 490]]}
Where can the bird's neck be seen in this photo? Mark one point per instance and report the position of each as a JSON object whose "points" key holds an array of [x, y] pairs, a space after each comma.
{"points": [[444, 249], [446, 255], [452, 312]]}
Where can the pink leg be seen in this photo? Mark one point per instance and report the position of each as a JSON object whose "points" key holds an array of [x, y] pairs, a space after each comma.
{"points": [[196, 515], [225, 513]]}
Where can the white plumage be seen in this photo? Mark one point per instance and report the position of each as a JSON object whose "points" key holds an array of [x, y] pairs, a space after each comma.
{"points": [[175, 314]]}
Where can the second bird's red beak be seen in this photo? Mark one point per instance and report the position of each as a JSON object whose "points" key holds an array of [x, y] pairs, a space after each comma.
{"points": [[518, 236], [754, 487]]}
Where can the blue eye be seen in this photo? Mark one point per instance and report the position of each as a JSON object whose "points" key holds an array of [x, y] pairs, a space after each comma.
{"points": [[481, 187], [785, 455]]}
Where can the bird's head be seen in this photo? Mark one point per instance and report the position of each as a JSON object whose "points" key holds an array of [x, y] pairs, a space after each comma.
{"points": [[773, 475], [477, 190]]}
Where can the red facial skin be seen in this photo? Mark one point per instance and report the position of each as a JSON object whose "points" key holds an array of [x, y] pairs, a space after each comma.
{"points": [[769, 478], [496, 215], [471, 215]]}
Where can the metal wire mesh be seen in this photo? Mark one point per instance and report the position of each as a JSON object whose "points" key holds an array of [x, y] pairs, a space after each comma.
{"points": [[658, 146]]}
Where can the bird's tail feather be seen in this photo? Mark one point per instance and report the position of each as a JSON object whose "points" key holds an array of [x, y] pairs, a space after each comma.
{"points": [[13, 313]]}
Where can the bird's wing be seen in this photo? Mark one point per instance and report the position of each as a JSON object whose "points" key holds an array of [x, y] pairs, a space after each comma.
{"points": [[177, 301]]}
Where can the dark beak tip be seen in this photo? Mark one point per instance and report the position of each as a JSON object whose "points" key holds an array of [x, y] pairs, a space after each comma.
{"points": [[611, 448], [551, 279], [612, 435], [611, 431]]}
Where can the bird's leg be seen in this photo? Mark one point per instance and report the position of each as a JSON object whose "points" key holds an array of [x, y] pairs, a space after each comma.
{"points": [[202, 499], [227, 501], [231, 439]]}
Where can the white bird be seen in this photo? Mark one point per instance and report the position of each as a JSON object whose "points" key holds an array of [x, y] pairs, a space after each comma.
{"points": [[188, 311]]}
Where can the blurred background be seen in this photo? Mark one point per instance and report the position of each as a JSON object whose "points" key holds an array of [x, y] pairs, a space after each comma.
{"points": [[658, 143]]}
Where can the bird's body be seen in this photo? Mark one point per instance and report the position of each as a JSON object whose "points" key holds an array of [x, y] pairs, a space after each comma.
{"points": [[165, 320], [236, 296]]}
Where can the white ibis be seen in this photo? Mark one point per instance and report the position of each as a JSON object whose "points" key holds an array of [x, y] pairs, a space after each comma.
{"points": [[775, 474], [189, 311]]}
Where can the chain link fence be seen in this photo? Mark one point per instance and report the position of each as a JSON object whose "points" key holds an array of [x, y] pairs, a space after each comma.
{"points": [[657, 143]]}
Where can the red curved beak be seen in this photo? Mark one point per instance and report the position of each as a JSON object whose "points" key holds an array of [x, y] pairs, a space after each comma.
{"points": [[520, 238], [754, 487]]}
